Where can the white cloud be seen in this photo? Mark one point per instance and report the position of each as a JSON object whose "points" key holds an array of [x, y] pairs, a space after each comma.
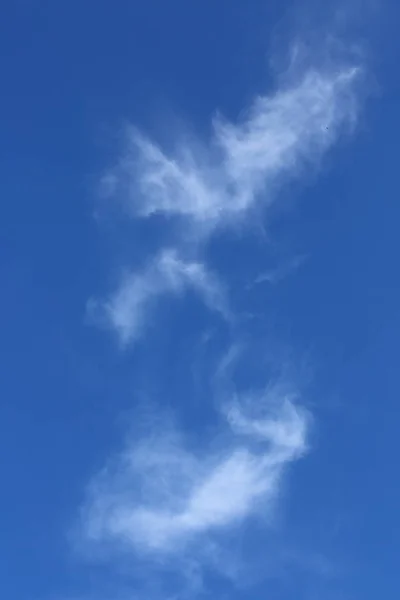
{"points": [[162, 497], [242, 164], [127, 309], [218, 183]]}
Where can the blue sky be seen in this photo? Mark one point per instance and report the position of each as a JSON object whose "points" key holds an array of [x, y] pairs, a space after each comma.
{"points": [[199, 309]]}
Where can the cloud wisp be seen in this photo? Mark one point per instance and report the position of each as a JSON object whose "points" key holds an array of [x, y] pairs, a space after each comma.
{"points": [[274, 276], [162, 496], [221, 182], [127, 310]]}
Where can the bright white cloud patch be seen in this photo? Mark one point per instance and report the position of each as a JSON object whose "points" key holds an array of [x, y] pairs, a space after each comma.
{"points": [[126, 311], [159, 495], [219, 182]]}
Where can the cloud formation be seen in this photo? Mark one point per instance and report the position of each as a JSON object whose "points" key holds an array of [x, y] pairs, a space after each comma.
{"points": [[161, 496], [218, 183], [166, 496], [127, 309]]}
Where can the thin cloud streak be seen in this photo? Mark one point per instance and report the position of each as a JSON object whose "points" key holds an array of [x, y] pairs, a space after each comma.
{"points": [[276, 275], [219, 183], [127, 310]]}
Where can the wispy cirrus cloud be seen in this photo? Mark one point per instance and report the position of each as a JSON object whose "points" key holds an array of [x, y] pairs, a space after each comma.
{"points": [[220, 182], [166, 497], [214, 184], [127, 309], [162, 496]]}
